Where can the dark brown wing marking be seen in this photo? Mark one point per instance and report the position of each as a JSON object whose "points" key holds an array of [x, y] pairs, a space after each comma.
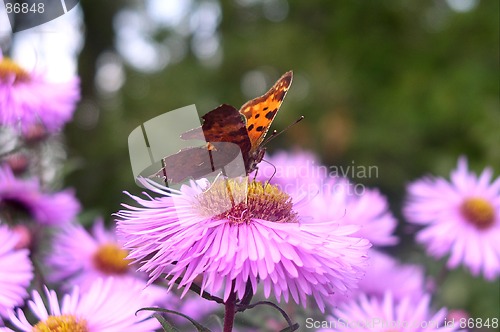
{"points": [[223, 124]]}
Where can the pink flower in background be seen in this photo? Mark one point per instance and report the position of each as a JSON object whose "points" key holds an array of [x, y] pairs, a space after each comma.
{"points": [[332, 197], [260, 239], [25, 196], [16, 271], [388, 314], [339, 200], [293, 172], [460, 218], [104, 307], [27, 99], [79, 258], [384, 273]]}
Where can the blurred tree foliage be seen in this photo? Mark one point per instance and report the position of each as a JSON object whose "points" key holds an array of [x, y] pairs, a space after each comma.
{"points": [[406, 86]]}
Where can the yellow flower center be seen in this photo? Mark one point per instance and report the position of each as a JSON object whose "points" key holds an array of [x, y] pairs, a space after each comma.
{"points": [[9, 68], [479, 212], [240, 202], [111, 259], [63, 323]]}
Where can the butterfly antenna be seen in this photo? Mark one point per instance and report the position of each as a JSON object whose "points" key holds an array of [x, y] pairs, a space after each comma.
{"points": [[272, 176], [276, 133]]}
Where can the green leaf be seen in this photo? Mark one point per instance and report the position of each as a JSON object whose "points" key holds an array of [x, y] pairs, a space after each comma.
{"points": [[198, 326], [291, 328], [167, 327]]}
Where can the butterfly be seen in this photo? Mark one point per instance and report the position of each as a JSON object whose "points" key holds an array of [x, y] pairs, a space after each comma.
{"points": [[228, 132]]}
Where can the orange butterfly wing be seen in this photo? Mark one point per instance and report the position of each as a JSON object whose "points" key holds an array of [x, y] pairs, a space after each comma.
{"points": [[260, 112], [228, 133]]}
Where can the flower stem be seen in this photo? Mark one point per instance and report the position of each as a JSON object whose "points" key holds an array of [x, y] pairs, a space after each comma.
{"points": [[230, 312]]}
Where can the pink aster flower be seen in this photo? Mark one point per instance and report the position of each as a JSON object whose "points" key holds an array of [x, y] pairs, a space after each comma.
{"points": [[387, 314], [331, 197], [340, 200], [384, 274], [461, 218], [79, 258], [293, 172], [16, 271], [28, 99], [226, 241], [25, 196], [104, 307]]}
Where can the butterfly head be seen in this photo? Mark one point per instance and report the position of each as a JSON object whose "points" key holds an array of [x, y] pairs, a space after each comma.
{"points": [[255, 158]]}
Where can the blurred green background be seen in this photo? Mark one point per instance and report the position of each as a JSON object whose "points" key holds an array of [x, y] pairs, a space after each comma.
{"points": [[407, 86]]}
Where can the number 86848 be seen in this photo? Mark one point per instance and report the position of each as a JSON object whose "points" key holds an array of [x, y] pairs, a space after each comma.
{"points": [[25, 8]]}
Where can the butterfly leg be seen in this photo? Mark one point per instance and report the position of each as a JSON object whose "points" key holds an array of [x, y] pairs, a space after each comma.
{"points": [[164, 170], [255, 174]]}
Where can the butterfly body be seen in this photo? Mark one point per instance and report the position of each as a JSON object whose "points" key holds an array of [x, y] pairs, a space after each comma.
{"points": [[243, 131]]}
